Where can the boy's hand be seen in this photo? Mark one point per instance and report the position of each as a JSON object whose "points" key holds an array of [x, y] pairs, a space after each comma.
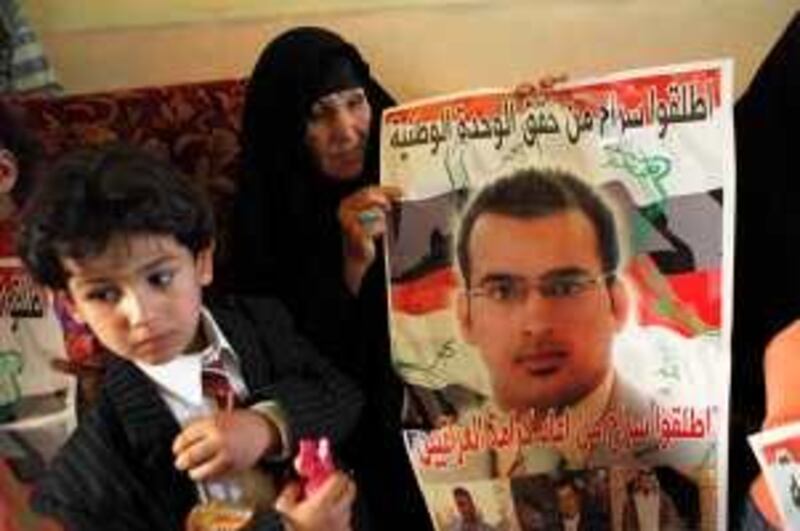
{"points": [[225, 442], [328, 508]]}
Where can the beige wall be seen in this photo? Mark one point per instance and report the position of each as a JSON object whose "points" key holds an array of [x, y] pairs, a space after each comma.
{"points": [[416, 50]]}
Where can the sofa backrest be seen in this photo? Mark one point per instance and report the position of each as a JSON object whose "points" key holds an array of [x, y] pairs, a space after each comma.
{"points": [[195, 126]]}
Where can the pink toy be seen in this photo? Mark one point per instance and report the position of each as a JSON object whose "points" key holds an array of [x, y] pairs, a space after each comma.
{"points": [[313, 463]]}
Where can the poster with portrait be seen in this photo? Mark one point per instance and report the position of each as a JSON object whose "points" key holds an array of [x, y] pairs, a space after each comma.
{"points": [[559, 275], [36, 400]]}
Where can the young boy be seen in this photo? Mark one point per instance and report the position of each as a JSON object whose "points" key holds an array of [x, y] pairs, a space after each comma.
{"points": [[129, 242]]}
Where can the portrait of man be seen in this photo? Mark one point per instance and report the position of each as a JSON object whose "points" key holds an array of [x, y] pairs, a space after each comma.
{"points": [[468, 517], [647, 506], [541, 300], [574, 513]]}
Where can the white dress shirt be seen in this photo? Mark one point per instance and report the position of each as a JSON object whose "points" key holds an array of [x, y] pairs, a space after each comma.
{"points": [[179, 383]]}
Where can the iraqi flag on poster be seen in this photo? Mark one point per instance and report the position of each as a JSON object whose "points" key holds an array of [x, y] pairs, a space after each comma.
{"points": [[657, 146]]}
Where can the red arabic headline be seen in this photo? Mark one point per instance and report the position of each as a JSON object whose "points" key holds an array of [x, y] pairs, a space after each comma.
{"points": [[617, 430], [628, 93], [656, 101], [19, 296]]}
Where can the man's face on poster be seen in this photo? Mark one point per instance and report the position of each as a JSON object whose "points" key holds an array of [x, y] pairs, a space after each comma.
{"points": [[540, 308], [569, 501], [646, 483], [465, 507]]}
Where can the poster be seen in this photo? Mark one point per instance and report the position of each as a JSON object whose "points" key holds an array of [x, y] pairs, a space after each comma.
{"points": [[559, 279], [37, 402]]}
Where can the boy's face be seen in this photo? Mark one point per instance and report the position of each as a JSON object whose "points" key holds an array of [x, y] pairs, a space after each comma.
{"points": [[141, 296]]}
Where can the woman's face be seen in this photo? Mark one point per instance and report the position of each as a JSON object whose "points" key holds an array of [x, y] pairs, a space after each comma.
{"points": [[337, 131]]}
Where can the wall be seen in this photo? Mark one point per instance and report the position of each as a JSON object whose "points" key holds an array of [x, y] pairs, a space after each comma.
{"points": [[418, 47]]}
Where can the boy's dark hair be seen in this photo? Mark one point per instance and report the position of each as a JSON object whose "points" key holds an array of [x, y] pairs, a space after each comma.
{"points": [[535, 193], [16, 138], [96, 194]]}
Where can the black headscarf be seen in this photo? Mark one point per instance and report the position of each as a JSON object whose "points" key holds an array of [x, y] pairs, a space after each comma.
{"points": [[285, 210], [766, 280], [287, 242]]}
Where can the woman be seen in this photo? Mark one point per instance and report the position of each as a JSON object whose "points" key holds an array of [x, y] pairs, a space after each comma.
{"points": [[306, 217], [767, 227]]}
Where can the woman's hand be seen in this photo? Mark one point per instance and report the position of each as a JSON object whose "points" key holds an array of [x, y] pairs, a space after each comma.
{"points": [[781, 374], [362, 216]]}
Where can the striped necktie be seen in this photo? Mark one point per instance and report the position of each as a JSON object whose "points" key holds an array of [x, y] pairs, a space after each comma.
{"points": [[217, 385]]}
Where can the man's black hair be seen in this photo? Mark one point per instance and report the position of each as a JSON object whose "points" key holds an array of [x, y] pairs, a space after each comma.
{"points": [[537, 193]]}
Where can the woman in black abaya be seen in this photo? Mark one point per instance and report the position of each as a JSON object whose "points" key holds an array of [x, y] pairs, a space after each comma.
{"points": [[307, 215]]}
